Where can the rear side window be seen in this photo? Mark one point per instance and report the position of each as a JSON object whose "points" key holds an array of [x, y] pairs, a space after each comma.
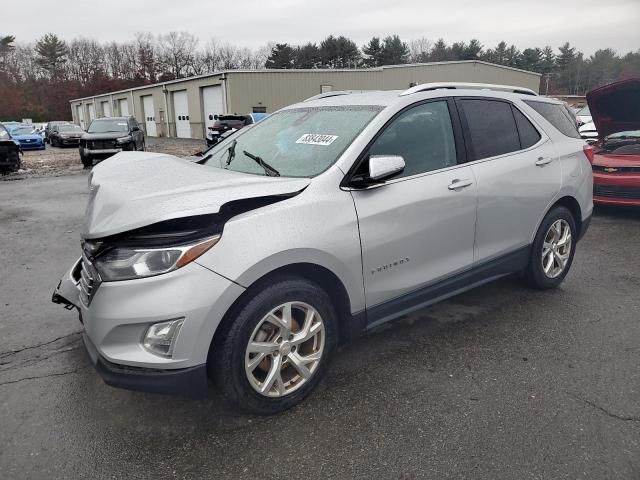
{"points": [[491, 128], [529, 136], [557, 116]]}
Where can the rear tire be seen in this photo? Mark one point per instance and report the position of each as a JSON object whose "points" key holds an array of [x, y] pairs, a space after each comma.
{"points": [[299, 357], [553, 250]]}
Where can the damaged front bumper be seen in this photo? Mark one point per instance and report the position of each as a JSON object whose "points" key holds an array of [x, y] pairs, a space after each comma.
{"points": [[119, 314]]}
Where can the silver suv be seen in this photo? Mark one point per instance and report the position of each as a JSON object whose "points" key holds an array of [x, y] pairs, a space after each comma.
{"points": [[328, 218]]}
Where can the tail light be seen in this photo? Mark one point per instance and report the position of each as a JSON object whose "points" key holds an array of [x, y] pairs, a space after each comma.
{"points": [[589, 151]]}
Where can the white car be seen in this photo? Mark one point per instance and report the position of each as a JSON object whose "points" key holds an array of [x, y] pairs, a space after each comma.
{"points": [[588, 131], [584, 116]]}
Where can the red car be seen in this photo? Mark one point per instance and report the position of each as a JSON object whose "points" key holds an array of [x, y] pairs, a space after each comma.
{"points": [[616, 155]]}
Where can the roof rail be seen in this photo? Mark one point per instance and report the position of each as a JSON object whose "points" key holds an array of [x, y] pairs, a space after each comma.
{"points": [[335, 93], [425, 87]]}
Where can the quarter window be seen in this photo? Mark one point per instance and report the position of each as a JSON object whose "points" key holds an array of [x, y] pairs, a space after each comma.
{"points": [[491, 128], [557, 116], [529, 136], [423, 136]]}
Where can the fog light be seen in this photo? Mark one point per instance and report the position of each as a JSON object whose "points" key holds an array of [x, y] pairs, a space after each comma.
{"points": [[161, 337]]}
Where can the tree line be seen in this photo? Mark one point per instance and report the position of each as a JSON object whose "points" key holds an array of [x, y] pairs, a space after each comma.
{"points": [[38, 79]]}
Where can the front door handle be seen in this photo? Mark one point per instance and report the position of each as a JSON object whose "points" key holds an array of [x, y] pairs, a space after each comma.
{"points": [[458, 184], [542, 161]]}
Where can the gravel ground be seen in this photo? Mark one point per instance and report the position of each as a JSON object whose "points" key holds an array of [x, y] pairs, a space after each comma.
{"points": [[55, 161], [502, 382]]}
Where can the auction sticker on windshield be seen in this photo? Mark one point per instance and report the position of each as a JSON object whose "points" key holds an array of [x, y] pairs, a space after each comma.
{"points": [[316, 139]]}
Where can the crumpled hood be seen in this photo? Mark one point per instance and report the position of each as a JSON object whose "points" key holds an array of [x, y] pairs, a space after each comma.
{"points": [[134, 189], [615, 107]]}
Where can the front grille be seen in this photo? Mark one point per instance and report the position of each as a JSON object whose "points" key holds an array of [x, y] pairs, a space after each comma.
{"points": [[610, 191], [613, 170], [103, 144], [89, 281]]}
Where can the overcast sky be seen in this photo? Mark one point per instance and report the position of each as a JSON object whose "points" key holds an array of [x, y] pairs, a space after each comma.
{"points": [[587, 24]]}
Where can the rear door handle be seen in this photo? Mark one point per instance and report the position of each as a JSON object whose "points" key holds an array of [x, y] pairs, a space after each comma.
{"points": [[458, 184], [542, 161]]}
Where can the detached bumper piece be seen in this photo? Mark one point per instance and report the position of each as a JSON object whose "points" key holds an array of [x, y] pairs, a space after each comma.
{"points": [[186, 382]]}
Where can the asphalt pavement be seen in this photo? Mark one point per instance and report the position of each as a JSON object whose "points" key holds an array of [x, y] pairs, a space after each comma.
{"points": [[502, 382]]}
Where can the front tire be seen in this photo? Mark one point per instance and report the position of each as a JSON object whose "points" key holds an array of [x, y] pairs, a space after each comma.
{"points": [[87, 161], [275, 347], [553, 250]]}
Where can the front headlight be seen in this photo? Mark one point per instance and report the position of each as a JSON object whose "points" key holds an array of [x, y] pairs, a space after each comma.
{"points": [[126, 139], [124, 263]]}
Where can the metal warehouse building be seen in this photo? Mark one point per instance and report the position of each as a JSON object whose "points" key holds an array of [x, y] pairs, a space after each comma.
{"points": [[186, 107]]}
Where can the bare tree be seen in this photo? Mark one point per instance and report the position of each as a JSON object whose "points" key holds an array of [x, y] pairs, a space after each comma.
{"points": [[86, 60], [177, 50], [419, 49], [147, 57]]}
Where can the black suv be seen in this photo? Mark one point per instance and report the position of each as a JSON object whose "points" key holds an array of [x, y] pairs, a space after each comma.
{"points": [[107, 136]]}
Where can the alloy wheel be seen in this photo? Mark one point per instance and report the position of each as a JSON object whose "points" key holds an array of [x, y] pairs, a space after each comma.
{"points": [[556, 248], [285, 349]]}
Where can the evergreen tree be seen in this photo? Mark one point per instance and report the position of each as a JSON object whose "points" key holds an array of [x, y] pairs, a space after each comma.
{"points": [[6, 47], [473, 51], [339, 52], [307, 56], [548, 61], [394, 51], [456, 52], [51, 54], [440, 51], [373, 52], [532, 59], [513, 57], [281, 56]]}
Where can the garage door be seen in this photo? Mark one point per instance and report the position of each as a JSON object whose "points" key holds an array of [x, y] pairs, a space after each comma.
{"points": [[80, 117], [92, 111], [123, 106], [149, 116], [181, 108], [106, 109], [213, 104]]}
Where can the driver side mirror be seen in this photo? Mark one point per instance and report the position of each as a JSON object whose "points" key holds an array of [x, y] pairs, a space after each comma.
{"points": [[382, 167]]}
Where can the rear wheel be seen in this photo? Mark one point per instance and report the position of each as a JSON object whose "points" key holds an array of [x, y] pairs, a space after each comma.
{"points": [[553, 250], [275, 349]]}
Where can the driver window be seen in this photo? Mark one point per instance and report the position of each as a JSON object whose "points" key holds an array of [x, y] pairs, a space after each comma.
{"points": [[423, 136]]}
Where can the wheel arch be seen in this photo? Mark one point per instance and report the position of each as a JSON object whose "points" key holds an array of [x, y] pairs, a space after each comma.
{"points": [[349, 325], [571, 204]]}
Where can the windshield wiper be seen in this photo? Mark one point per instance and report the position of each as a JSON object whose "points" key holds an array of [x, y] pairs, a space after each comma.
{"points": [[269, 170], [231, 152]]}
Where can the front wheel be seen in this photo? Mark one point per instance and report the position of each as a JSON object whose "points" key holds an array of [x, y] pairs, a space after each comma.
{"points": [[276, 347], [87, 161], [553, 250]]}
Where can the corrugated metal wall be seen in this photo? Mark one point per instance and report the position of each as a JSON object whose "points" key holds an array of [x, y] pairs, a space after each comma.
{"points": [[275, 90]]}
